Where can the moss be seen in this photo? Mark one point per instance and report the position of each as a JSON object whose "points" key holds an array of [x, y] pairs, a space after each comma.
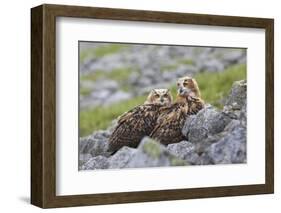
{"points": [[152, 149], [177, 162]]}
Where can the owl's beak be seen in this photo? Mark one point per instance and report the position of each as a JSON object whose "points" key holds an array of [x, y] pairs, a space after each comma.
{"points": [[182, 91]]}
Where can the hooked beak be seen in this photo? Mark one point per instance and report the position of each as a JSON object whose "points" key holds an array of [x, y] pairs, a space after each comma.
{"points": [[183, 91]]}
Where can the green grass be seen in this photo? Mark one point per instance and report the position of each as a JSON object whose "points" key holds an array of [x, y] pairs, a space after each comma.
{"points": [[101, 51], [101, 117], [213, 86], [186, 61], [85, 91], [120, 74]]}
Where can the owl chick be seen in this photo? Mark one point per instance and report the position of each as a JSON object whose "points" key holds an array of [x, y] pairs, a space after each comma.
{"points": [[169, 124], [133, 125], [188, 91]]}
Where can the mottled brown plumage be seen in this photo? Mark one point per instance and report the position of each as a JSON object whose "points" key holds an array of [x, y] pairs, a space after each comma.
{"points": [[133, 125], [168, 128], [170, 123]]}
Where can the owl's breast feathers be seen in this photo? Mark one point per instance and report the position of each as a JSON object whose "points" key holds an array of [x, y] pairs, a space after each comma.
{"points": [[133, 125], [194, 105], [168, 128]]}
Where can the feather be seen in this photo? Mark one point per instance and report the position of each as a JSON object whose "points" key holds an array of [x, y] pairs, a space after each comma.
{"points": [[168, 128], [133, 126]]}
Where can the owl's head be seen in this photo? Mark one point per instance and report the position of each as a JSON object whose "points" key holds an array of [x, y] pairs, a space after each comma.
{"points": [[188, 86], [159, 96]]}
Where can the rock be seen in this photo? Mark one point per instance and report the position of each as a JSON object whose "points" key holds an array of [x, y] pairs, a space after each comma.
{"points": [[186, 69], [212, 65], [208, 121], [83, 158], [153, 154], [238, 95], [100, 95], [106, 84], [117, 97], [96, 144], [98, 162], [229, 149], [184, 150], [121, 158], [232, 57], [144, 81]]}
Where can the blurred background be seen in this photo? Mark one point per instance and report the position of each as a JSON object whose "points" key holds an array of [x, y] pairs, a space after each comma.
{"points": [[116, 77]]}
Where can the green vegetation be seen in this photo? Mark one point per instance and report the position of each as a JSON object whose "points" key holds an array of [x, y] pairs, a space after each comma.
{"points": [[101, 51], [85, 91], [186, 61], [120, 74], [152, 149], [216, 86], [101, 117], [177, 162], [213, 86]]}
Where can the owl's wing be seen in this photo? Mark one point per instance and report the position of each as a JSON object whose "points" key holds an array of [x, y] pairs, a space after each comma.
{"points": [[194, 105], [168, 128], [133, 126]]}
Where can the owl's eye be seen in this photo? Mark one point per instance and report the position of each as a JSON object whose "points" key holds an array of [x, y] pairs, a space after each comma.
{"points": [[185, 84], [166, 96], [178, 84], [157, 96]]}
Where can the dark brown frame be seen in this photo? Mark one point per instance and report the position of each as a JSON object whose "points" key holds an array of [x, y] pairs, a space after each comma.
{"points": [[43, 105]]}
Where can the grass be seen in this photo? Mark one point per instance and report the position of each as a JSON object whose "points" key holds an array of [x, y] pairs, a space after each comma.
{"points": [[101, 51], [101, 117], [186, 61], [213, 86], [216, 86], [85, 91], [120, 74]]}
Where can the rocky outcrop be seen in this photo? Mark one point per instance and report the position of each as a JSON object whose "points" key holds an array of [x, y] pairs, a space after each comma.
{"points": [[213, 137]]}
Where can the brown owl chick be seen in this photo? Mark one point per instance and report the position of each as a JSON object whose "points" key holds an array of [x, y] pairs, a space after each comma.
{"points": [[168, 128], [189, 91], [133, 125]]}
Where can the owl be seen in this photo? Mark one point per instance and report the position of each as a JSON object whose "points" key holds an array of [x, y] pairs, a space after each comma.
{"points": [[169, 124], [188, 90], [133, 125]]}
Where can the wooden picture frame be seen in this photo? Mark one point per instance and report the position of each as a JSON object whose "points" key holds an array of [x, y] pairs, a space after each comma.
{"points": [[43, 105]]}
